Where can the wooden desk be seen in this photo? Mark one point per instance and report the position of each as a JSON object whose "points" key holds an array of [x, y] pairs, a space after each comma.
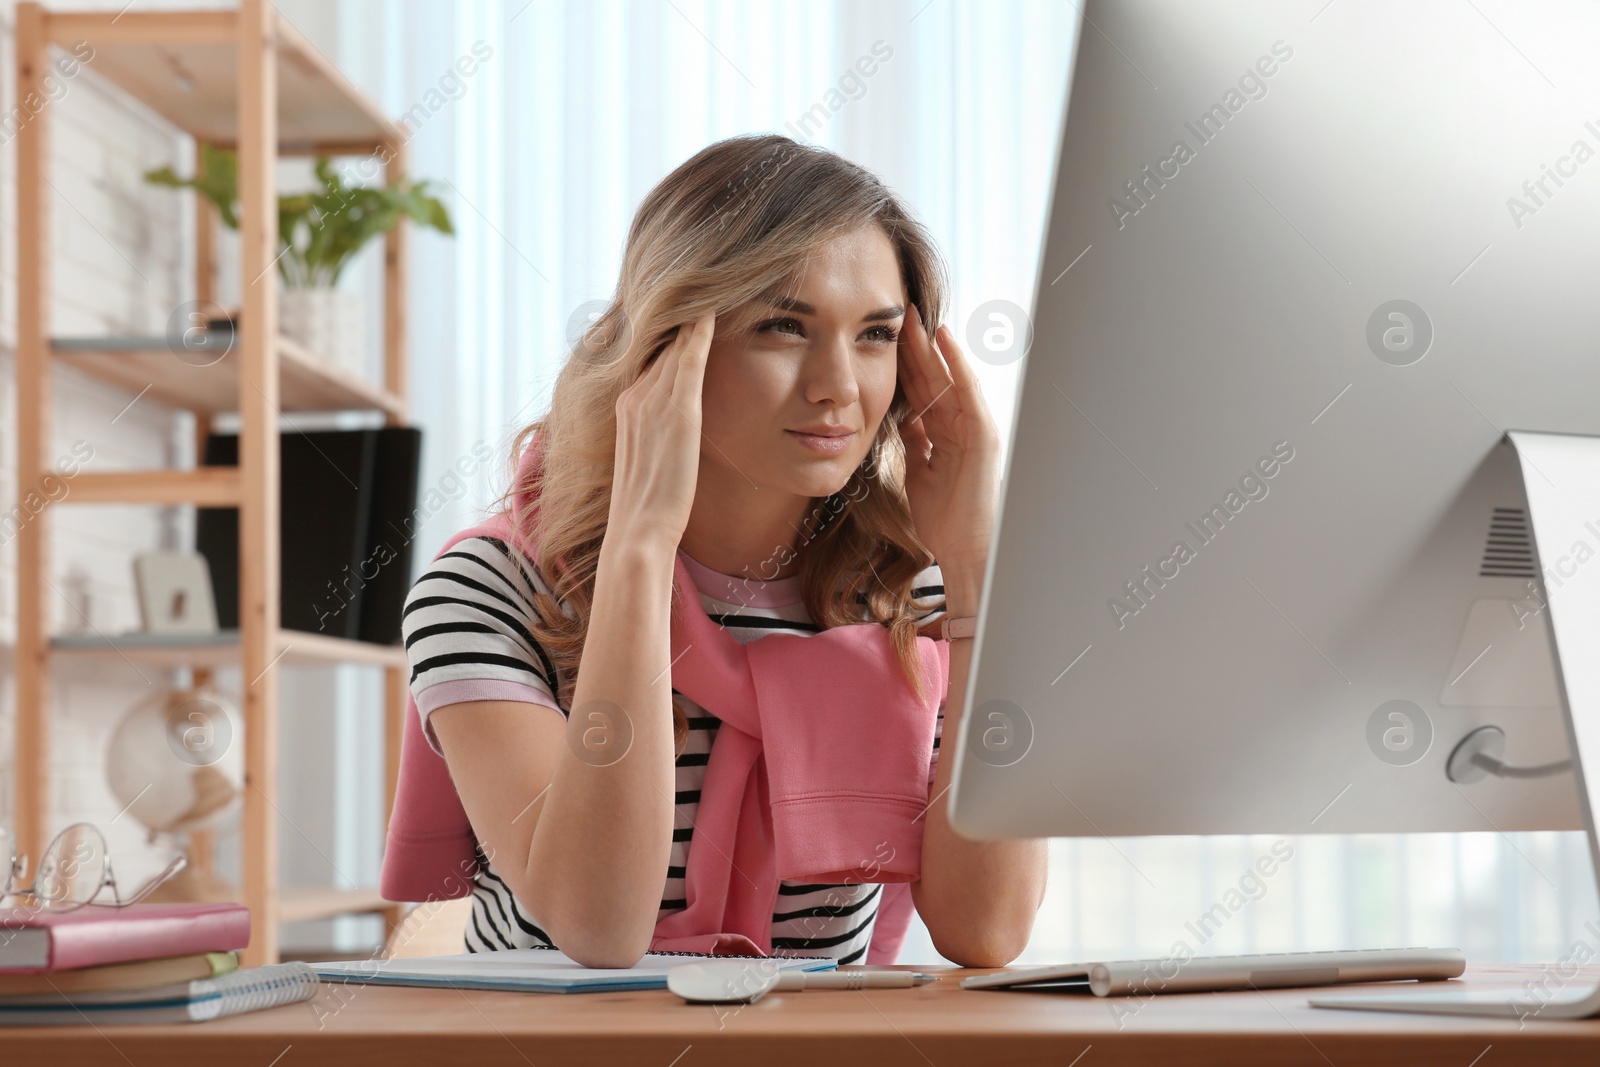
{"points": [[937, 1025]]}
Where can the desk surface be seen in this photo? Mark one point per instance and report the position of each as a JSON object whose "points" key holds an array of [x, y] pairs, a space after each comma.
{"points": [[939, 1025]]}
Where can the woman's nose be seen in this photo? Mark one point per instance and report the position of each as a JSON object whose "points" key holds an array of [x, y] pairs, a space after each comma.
{"points": [[831, 373]]}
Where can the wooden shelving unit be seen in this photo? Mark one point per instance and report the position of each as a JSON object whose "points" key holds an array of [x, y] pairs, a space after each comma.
{"points": [[247, 80]]}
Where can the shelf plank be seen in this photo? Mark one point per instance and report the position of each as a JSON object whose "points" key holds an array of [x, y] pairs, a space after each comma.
{"points": [[307, 383], [304, 649], [204, 377], [205, 486], [66, 28], [299, 904], [184, 65], [221, 649]]}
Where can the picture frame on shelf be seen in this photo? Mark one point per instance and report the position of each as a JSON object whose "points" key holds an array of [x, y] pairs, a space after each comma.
{"points": [[175, 595]]}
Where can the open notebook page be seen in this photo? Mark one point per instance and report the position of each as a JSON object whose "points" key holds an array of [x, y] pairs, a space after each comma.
{"points": [[540, 970]]}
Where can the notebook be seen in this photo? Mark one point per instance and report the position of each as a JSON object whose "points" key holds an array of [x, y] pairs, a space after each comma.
{"points": [[34, 939], [204, 998], [138, 974], [533, 970]]}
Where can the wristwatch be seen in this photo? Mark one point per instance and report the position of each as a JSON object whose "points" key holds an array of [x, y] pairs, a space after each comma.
{"points": [[966, 626]]}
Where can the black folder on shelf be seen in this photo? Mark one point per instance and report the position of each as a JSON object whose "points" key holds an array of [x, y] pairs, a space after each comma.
{"points": [[345, 500], [391, 526]]}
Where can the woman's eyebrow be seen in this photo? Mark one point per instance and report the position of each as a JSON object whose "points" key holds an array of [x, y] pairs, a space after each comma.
{"points": [[800, 307]]}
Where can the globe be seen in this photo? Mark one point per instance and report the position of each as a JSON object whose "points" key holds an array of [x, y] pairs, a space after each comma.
{"points": [[175, 763]]}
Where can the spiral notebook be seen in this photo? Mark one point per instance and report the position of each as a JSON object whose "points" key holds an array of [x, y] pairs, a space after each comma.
{"points": [[196, 1001], [535, 970]]}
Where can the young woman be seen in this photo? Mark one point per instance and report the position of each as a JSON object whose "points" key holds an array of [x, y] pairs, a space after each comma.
{"points": [[762, 401]]}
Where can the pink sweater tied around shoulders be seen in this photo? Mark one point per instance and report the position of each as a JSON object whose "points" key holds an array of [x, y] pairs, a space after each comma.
{"points": [[819, 773]]}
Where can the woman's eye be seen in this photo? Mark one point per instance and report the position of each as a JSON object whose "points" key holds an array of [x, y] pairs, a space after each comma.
{"points": [[886, 335]]}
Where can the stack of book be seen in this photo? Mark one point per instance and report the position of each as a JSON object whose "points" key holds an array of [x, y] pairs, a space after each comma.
{"points": [[135, 964]]}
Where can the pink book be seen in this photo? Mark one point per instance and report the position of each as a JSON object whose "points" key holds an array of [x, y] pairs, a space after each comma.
{"points": [[33, 940]]}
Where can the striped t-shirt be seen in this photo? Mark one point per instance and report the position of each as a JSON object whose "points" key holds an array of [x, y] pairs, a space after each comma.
{"points": [[468, 635]]}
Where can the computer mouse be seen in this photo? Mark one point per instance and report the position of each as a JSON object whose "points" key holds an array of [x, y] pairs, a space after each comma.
{"points": [[724, 981]]}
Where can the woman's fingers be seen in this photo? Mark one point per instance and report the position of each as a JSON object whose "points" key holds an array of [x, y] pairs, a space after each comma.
{"points": [[915, 436], [955, 364], [914, 353], [930, 385], [659, 438], [650, 377], [967, 389], [695, 339]]}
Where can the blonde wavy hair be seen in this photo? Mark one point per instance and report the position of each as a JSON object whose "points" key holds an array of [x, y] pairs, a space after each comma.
{"points": [[726, 232]]}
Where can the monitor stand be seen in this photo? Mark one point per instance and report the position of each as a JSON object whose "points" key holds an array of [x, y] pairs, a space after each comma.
{"points": [[1561, 480]]}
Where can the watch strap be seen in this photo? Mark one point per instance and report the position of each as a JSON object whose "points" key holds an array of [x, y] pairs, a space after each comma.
{"points": [[966, 626]]}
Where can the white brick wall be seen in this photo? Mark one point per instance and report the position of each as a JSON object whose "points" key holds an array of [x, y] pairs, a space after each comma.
{"points": [[119, 264]]}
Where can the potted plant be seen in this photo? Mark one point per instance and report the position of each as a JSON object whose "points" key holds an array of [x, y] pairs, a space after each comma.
{"points": [[320, 232]]}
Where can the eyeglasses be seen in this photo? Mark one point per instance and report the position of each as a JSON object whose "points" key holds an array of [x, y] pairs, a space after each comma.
{"points": [[74, 869]]}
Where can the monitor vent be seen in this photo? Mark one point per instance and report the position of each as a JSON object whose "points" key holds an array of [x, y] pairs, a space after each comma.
{"points": [[1507, 552]]}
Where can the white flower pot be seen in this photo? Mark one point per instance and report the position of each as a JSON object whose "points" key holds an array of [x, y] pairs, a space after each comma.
{"points": [[328, 323]]}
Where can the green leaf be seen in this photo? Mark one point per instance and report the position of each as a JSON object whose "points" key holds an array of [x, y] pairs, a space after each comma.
{"points": [[321, 230]]}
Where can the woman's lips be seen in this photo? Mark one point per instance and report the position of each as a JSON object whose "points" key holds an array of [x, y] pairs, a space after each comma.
{"points": [[827, 446]]}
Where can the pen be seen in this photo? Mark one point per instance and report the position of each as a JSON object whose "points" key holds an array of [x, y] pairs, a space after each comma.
{"points": [[797, 981]]}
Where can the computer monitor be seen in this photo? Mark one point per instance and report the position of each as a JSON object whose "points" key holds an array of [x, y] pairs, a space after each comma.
{"points": [[1266, 554]]}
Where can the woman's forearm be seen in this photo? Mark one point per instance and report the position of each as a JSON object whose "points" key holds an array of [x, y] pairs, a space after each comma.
{"points": [[599, 853], [978, 898]]}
